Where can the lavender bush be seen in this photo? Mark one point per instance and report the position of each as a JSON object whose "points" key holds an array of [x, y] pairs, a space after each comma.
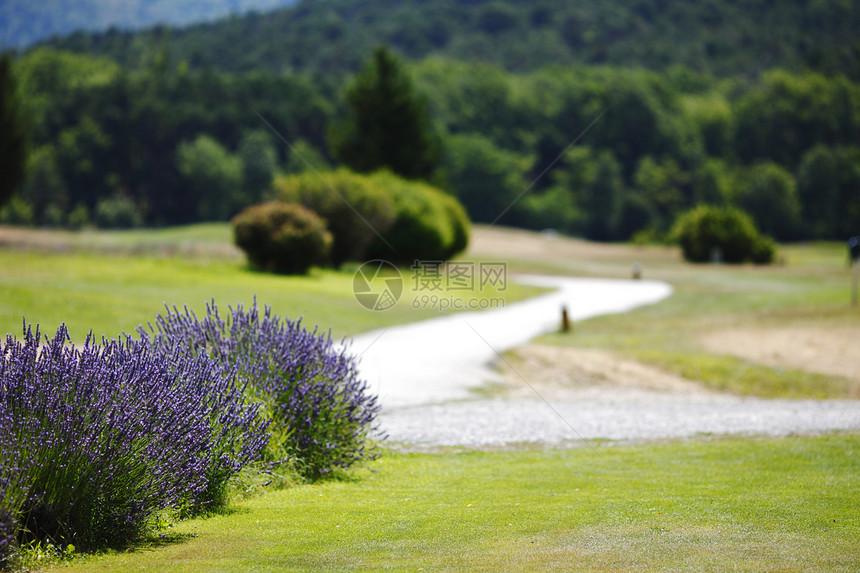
{"points": [[8, 525], [99, 438], [321, 411]]}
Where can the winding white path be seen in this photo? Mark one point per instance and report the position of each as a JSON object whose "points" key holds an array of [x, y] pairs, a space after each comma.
{"points": [[424, 372], [443, 359]]}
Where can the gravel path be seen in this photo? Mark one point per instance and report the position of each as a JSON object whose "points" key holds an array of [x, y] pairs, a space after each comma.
{"points": [[499, 422], [426, 373], [445, 358]]}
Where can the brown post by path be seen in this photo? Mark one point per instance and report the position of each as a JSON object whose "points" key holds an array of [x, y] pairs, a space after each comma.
{"points": [[565, 320], [855, 271], [854, 257]]}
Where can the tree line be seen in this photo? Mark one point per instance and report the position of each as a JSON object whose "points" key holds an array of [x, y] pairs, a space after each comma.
{"points": [[608, 153], [718, 37]]}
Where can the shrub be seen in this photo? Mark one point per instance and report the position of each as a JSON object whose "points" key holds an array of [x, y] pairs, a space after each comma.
{"points": [[355, 211], [429, 224], [8, 525], [706, 228], [764, 250], [281, 237], [321, 412], [460, 224], [99, 438], [381, 215]]}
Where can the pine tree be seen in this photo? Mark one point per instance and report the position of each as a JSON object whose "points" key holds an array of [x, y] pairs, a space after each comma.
{"points": [[13, 134], [387, 125]]}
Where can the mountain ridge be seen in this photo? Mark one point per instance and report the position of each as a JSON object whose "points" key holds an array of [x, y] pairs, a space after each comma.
{"points": [[25, 22], [716, 37]]}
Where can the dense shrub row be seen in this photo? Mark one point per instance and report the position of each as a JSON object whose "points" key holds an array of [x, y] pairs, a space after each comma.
{"points": [[97, 440], [709, 232], [354, 209], [428, 225], [369, 216]]}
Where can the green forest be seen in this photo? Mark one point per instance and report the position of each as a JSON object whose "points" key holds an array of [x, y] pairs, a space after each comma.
{"points": [[334, 37], [605, 120]]}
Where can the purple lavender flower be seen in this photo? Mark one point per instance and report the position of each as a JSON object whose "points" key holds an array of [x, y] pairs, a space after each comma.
{"points": [[321, 411], [98, 438], [8, 526]]}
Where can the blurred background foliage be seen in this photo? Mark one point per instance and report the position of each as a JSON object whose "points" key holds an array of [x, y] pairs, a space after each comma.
{"points": [[602, 119], [716, 37]]}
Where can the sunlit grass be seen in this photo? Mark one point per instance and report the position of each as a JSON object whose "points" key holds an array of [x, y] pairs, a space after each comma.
{"points": [[110, 282], [811, 290], [776, 504], [786, 504]]}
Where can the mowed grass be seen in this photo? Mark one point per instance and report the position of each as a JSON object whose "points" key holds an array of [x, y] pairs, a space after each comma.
{"points": [[214, 239], [668, 335], [727, 504], [743, 505], [112, 282]]}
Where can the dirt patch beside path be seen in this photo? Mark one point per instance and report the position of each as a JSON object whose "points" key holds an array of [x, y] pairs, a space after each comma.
{"points": [[560, 373], [831, 351]]}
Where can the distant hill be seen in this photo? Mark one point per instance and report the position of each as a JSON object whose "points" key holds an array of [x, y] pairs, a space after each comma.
{"points": [[719, 37], [24, 22]]}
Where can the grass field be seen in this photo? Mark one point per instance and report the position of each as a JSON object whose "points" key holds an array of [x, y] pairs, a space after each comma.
{"points": [[111, 282], [741, 505], [712, 504], [809, 291]]}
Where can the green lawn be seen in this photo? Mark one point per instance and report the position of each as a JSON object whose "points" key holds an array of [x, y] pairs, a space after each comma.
{"points": [[111, 282], [811, 290], [202, 238], [727, 504], [743, 505]]}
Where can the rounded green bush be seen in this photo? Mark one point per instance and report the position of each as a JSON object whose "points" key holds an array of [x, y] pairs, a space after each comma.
{"points": [[381, 216], [707, 228], [429, 224], [460, 223], [764, 251], [355, 211], [281, 237]]}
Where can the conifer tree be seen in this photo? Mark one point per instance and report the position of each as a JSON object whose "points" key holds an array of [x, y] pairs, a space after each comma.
{"points": [[13, 134], [387, 125]]}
